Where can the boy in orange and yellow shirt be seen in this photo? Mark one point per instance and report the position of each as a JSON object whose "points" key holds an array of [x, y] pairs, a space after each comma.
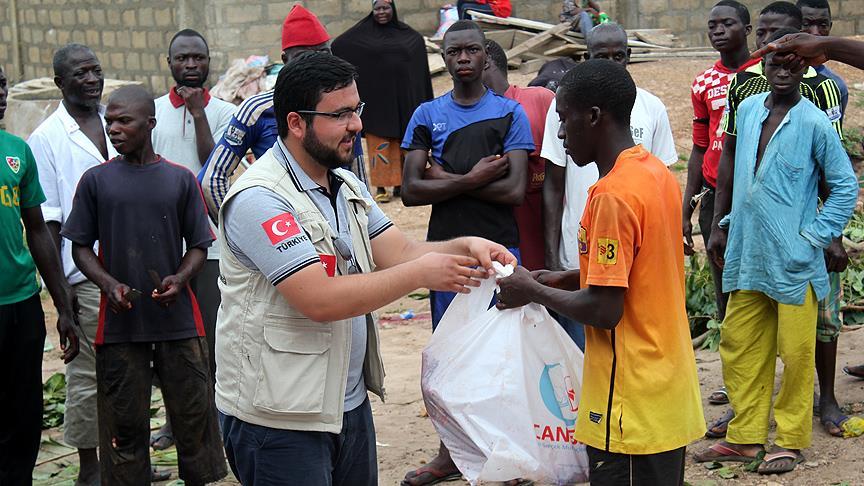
{"points": [[640, 403]]}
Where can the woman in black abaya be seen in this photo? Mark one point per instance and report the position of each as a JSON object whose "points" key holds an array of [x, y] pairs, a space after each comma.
{"points": [[393, 80]]}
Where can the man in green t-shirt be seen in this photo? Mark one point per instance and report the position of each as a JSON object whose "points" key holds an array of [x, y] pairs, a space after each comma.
{"points": [[22, 323]]}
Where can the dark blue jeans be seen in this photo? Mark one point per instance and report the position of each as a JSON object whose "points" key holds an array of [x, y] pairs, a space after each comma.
{"points": [[463, 5], [263, 456], [574, 329]]}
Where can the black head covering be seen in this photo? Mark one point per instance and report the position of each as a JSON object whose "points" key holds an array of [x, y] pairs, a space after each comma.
{"points": [[393, 79]]}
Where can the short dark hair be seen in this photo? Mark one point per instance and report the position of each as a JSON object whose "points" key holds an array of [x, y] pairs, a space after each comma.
{"points": [[601, 83], [740, 9], [465, 25], [496, 55], [783, 8], [62, 56], [599, 29], [301, 83], [188, 33], [814, 4]]}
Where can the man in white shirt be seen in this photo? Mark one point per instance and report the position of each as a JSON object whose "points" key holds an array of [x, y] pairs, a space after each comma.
{"points": [[70, 141], [567, 182], [188, 123]]}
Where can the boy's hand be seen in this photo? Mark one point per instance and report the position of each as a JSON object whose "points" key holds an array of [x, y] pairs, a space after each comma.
{"points": [[66, 323], [717, 246], [514, 289], [490, 168], [171, 287], [836, 259], [117, 298]]}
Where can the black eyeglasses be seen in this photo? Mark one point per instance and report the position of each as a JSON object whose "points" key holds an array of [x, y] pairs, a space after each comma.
{"points": [[342, 116], [345, 253]]}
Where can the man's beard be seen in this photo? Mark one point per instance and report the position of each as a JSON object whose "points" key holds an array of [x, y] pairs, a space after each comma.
{"points": [[190, 84], [324, 155]]}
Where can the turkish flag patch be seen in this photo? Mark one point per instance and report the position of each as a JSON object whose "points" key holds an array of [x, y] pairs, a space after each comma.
{"points": [[329, 262], [280, 228]]}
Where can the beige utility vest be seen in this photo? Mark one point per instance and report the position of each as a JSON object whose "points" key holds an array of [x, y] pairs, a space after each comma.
{"points": [[274, 366]]}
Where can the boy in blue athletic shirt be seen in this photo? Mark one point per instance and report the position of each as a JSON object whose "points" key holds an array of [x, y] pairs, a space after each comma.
{"points": [[479, 144]]}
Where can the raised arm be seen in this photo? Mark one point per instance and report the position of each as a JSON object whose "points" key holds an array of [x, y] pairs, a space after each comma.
{"points": [[815, 50]]}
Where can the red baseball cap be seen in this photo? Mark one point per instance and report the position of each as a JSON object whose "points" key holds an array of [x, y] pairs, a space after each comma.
{"points": [[302, 28]]}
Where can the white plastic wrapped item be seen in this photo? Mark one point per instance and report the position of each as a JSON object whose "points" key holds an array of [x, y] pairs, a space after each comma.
{"points": [[502, 389]]}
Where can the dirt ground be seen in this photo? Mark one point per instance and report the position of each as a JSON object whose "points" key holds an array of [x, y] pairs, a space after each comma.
{"points": [[406, 437]]}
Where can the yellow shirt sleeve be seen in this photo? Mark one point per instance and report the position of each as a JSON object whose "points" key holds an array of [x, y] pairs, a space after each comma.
{"points": [[614, 236]]}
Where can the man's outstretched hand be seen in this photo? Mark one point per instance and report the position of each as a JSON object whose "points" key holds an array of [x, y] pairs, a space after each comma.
{"points": [[801, 49]]}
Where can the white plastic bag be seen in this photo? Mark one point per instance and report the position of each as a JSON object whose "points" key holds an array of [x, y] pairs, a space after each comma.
{"points": [[502, 389]]}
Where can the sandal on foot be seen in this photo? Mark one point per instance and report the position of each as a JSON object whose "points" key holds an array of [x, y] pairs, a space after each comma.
{"points": [[427, 476], [382, 197], [161, 441], [719, 397], [854, 372], [782, 462], [722, 424], [834, 426], [157, 475], [725, 454]]}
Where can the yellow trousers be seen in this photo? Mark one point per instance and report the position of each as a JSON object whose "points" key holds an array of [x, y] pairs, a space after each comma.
{"points": [[756, 328]]}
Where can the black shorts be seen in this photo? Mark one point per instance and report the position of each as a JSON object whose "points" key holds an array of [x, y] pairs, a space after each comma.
{"points": [[613, 469]]}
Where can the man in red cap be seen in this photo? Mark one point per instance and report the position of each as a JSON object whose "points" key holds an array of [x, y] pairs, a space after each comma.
{"points": [[253, 126]]}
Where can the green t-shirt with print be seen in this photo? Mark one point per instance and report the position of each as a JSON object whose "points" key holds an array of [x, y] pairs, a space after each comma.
{"points": [[19, 188]]}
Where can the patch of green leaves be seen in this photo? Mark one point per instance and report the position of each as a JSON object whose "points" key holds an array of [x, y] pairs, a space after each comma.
{"points": [[701, 306], [853, 277], [53, 401]]}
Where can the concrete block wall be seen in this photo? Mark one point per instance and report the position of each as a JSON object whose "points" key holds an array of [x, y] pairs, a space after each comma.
{"points": [[131, 37]]}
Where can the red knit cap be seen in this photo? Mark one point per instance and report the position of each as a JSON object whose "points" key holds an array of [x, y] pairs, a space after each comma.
{"points": [[302, 28]]}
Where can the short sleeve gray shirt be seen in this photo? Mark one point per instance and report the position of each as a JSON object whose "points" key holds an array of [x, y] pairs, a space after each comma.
{"points": [[264, 234]]}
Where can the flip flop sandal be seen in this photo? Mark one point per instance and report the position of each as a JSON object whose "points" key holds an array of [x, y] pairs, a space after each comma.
{"points": [[764, 468], [720, 422], [161, 441], [382, 197], [854, 374], [157, 475], [436, 476], [726, 454], [838, 422], [719, 397]]}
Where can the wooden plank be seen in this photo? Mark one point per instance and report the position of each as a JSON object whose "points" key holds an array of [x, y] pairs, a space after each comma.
{"points": [[436, 64], [504, 38], [676, 55], [512, 21], [532, 66], [665, 40], [537, 40], [431, 46], [568, 39], [520, 36], [566, 50]]}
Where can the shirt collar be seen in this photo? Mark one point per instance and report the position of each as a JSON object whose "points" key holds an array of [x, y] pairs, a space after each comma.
{"points": [[69, 123], [298, 176], [177, 100]]}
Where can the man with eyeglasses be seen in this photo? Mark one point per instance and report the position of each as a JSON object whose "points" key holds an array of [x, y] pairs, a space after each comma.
{"points": [[307, 256], [253, 127]]}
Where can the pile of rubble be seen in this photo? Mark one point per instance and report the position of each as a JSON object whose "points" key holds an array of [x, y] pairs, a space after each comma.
{"points": [[530, 44]]}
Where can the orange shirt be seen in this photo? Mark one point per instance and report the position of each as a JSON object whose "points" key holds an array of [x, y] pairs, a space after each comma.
{"points": [[640, 392]]}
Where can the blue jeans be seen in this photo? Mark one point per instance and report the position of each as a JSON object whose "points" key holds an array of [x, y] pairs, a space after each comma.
{"points": [[463, 5], [264, 456], [574, 329]]}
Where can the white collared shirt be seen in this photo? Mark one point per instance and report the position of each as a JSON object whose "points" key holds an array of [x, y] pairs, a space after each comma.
{"points": [[174, 138], [63, 153]]}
